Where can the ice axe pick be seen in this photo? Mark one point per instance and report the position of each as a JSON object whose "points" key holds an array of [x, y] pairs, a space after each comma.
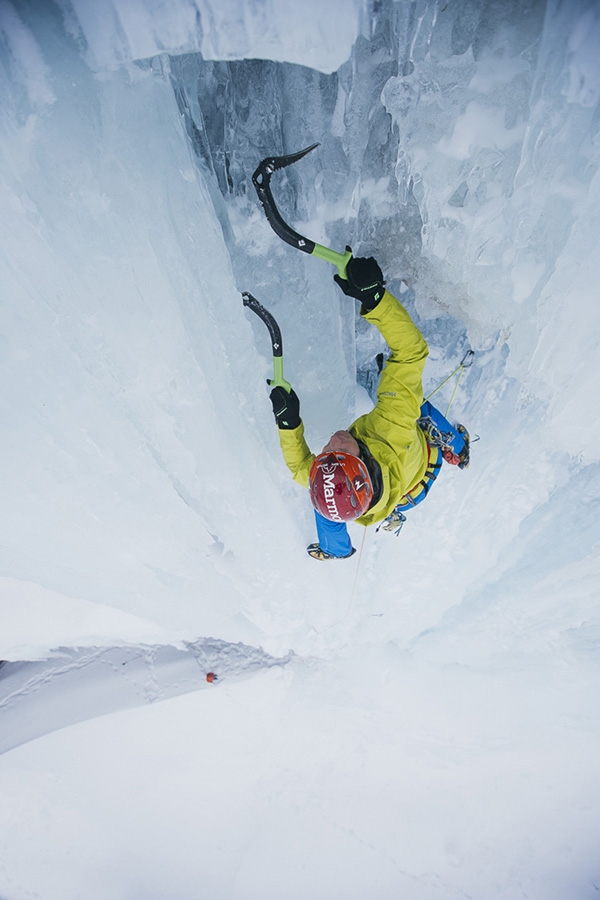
{"points": [[262, 182], [276, 343]]}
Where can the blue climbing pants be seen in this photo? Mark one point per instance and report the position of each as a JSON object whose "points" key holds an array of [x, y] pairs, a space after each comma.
{"points": [[333, 536]]}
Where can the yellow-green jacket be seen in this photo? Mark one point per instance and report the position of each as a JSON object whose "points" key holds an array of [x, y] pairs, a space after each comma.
{"points": [[390, 430]]}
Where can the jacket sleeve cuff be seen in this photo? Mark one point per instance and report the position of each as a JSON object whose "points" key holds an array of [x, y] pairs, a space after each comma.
{"points": [[373, 314]]}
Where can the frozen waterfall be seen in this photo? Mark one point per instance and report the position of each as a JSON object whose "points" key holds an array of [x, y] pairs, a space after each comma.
{"points": [[419, 722]]}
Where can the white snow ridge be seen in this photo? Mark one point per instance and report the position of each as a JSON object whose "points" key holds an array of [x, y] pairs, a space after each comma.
{"points": [[190, 706]]}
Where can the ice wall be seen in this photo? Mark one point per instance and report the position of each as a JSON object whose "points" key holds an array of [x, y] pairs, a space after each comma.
{"points": [[125, 354], [436, 734]]}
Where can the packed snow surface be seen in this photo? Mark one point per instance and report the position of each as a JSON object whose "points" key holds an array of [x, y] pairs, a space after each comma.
{"points": [[422, 720]]}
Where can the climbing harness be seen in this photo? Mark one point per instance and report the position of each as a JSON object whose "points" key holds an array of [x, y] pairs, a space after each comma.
{"points": [[416, 495]]}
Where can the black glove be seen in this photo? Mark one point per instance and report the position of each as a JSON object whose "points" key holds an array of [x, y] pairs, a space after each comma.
{"points": [[364, 281], [286, 408]]}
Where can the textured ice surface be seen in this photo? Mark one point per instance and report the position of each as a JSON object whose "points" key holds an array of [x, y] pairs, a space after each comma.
{"points": [[119, 31], [438, 736]]}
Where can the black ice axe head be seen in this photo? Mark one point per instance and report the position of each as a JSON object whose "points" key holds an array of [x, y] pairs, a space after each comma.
{"points": [[276, 342], [262, 182]]}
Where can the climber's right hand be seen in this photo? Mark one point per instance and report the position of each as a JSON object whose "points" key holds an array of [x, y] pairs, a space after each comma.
{"points": [[364, 281]]}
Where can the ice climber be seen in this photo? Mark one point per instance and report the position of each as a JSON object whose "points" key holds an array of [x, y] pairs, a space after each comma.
{"points": [[387, 460]]}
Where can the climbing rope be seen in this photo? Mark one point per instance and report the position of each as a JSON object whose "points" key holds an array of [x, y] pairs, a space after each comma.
{"points": [[465, 363], [358, 562]]}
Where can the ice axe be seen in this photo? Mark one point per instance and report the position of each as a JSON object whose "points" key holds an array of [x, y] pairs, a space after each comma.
{"points": [[276, 343], [262, 182]]}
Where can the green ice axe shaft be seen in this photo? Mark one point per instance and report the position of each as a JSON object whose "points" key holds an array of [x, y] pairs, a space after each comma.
{"points": [[276, 343], [262, 182]]}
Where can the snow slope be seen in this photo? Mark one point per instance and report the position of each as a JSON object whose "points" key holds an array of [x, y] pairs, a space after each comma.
{"points": [[421, 721]]}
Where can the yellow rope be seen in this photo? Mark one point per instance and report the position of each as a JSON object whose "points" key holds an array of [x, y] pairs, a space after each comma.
{"points": [[460, 375], [460, 369], [445, 381]]}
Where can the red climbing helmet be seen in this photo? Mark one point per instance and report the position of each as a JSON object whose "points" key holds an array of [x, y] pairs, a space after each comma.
{"points": [[340, 486]]}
